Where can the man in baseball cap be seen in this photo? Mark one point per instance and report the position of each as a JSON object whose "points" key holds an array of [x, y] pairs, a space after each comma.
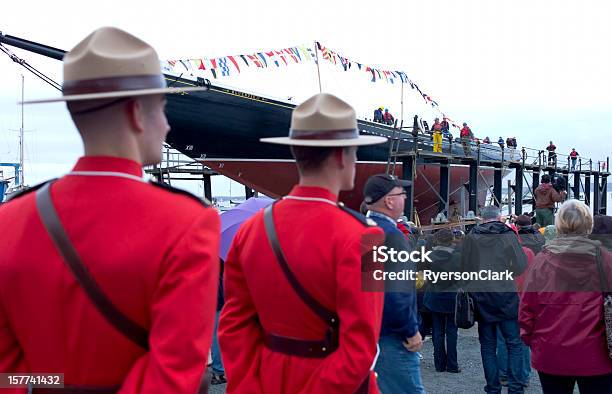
{"points": [[400, 340], [380, 185]]}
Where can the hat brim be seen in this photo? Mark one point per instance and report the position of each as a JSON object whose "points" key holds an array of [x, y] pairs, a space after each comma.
{"points": [[403, 183], [362, 140], [117, 94]]}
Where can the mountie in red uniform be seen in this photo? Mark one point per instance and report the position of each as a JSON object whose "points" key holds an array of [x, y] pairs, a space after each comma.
{"points": [[323, 245], [154, 254]]}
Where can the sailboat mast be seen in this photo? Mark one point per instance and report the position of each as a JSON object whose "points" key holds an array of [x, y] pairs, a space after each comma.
{"points": [[21, 131]]}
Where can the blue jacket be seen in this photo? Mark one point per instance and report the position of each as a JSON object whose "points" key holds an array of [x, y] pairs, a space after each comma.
{"points": [[400, 309]]}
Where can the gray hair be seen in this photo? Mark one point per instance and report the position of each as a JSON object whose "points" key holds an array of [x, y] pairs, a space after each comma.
{"points": [[574, 217], [490, 212]]}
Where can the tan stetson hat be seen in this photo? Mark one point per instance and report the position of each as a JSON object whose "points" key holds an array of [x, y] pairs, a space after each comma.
{"points": [[111, 63], [324, 120]]}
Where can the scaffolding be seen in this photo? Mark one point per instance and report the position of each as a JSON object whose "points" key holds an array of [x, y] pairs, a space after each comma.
{"points": [[176, 166], [412, 147]]}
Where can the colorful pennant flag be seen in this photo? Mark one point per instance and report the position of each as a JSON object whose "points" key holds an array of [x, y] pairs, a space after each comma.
{"points": [[234, 62], [265, 63], [225, 71]]}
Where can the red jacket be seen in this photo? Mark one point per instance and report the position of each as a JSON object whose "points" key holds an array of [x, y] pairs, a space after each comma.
{"points": [[153, 252], [560, 321], [323, 246], [520, 280], [546, 196]]}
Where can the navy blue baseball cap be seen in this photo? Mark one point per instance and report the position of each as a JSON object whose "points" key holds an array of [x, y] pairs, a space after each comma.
{"points": [[380, 185]]}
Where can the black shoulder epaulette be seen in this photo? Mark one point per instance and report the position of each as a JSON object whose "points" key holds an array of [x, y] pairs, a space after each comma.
{"points": [[362, 218], [29, 190], [175, 190]]}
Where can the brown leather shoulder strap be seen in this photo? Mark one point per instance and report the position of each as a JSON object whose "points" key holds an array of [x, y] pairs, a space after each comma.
{"points": [[111, 313], [331, 318], [325, 314]]}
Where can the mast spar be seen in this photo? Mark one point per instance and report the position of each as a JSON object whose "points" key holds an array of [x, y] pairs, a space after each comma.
{"points": [[20, 178]]}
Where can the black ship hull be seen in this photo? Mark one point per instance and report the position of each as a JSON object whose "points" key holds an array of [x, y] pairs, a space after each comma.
{"points": [[221, 127]]}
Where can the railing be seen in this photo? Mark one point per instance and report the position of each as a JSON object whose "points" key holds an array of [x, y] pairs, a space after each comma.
{"points": [[175, 162], [404, 141]]}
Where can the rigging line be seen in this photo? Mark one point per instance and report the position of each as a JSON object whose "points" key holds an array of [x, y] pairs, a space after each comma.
{"points": [[528, 184], [489, 187], [30, 68], [40, 74], [25, 64], [437, 203], [33, 70]]}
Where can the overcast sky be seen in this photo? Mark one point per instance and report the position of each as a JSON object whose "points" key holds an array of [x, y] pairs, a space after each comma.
{"points": [[537, 70]]}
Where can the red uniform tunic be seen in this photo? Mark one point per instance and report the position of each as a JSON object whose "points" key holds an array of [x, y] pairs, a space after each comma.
{"points": [[323, 246], [154, 253]]}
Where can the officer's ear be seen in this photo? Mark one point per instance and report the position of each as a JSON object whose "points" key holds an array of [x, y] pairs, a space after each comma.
{"points": [[346, 156], [136, 114], [338, 157]]}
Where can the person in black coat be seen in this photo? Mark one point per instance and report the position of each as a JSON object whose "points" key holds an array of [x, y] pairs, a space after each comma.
{"points": [[440, 300], [493, 247], [529, 237]]}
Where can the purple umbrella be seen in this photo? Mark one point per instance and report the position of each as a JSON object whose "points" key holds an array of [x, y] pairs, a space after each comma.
{"points": [[232, 220]]}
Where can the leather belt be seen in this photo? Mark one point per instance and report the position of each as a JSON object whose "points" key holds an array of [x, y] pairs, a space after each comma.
{"points": [[299, 347]]}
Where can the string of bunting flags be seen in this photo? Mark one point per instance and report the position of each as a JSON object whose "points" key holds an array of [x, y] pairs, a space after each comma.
{"points": [[233, 64], [228, 65], [377, 74]]}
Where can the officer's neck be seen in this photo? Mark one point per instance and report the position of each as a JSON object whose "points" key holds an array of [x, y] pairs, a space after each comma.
{"points": [[322, 180], [120, 146]]}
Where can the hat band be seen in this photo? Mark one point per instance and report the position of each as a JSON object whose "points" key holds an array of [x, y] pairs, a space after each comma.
{"points": [[323, 134], [113, 84]]}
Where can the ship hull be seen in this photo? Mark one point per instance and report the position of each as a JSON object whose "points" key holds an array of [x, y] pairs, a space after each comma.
{"points": [[222, 128], [275, 178]]}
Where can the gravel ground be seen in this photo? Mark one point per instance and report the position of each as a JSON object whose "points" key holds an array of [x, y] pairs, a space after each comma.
{"points": [[470, 380]]}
